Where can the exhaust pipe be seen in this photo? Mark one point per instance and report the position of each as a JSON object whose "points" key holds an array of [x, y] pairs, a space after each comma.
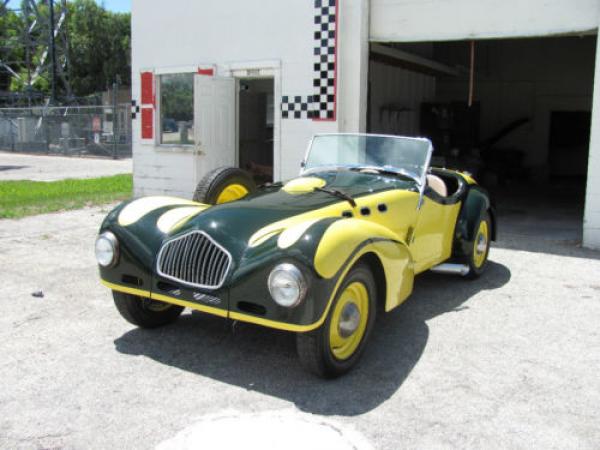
{"points": [[452, 269]]}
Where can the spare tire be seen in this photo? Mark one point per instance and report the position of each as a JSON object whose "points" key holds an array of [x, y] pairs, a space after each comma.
{"points": [[224, 184]]}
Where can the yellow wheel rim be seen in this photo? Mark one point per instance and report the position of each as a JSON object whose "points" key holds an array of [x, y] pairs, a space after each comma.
{"points": [[231, 192], [480, 246], [349, 320]]}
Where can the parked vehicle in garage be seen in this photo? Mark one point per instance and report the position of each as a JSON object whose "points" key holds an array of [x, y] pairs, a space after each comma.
{"points": [[315, 255]]}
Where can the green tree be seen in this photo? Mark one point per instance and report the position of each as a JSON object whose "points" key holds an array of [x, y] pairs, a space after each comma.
{"points": [[10, 52], [99, 47]]}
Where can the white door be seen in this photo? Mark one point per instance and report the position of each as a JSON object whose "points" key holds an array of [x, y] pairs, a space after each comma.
{"points": [[214, 123]]}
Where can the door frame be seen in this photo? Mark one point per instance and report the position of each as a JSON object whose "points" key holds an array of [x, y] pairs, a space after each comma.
{"points": [[255, 70]]}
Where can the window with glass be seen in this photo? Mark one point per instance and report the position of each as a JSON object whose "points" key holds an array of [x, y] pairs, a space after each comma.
{"points": [[177, 109]]}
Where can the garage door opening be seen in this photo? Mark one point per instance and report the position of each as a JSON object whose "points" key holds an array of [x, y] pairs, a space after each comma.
{"points": [[255, 134], [513, 112]]}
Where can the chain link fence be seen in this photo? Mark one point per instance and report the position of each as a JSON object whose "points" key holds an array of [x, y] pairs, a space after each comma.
{"points": [[67, 130]]}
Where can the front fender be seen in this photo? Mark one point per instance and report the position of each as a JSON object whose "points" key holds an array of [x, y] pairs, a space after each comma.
{"points": [[325, 250], [345, 241], [140, 228]]}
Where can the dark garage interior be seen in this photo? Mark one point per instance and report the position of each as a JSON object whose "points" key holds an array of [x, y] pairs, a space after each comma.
{"points": [[255, 116], [515, 113]]}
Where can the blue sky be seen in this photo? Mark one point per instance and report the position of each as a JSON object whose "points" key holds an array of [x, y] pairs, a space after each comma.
{"points": [[112, 5], [117, 5]]}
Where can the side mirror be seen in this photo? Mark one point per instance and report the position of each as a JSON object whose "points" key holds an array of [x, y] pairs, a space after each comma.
{"points": [[303, 164]]}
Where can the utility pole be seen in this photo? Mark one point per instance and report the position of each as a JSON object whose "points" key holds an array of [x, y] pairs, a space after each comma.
{"points": [[52, 55]]}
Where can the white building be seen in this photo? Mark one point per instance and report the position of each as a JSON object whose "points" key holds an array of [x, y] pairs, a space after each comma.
{"points": [[249, 82]]}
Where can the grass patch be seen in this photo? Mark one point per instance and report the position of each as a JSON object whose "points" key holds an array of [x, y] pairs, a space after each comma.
{"points": [[25, 198]]}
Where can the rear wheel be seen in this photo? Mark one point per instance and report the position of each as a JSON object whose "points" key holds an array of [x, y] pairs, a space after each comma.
{"points": [[335, 347], [224, 184], [477, 260], [145, 313]]}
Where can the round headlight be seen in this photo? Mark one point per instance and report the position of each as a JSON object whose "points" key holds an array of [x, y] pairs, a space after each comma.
{"points": [[107, 249], [287, 285]]}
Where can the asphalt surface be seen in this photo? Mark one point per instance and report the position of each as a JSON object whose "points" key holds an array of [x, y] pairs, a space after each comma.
{"points": [[15, 166], [508, 361]]}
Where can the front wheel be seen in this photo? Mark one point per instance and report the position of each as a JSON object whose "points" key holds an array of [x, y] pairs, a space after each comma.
{"points": [[145, 313], [335, 347]]}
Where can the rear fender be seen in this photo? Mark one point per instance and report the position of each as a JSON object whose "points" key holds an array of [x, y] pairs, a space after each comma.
{"points": [[475, 206]]}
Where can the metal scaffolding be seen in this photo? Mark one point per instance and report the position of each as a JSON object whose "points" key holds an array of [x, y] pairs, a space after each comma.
{"points": [[39, 50]]}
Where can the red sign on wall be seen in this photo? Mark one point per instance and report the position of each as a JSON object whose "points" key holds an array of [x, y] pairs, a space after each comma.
{"points": [[147, 96], [147, 88], [147, 123], [208, 72]]}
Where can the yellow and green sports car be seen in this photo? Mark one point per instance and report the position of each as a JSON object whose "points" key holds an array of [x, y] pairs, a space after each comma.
{"points": [[316, 255]]}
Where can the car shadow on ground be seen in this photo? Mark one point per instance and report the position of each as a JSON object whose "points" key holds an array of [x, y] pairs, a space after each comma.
{"points": [[264, 360], [12, 167]]}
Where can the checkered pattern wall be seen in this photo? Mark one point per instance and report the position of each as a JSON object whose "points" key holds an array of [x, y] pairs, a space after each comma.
{"points": [[322, 104], [324, 59], [135, 109], [296, 107]]}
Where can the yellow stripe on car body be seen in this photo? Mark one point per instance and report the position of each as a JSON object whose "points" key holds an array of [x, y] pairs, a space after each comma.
{"points": [[137, 209], [291, 235], [125, 289], [175, 218]]}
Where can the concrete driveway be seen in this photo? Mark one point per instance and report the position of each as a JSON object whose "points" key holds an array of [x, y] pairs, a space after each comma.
{"points": [[508, 361], [15, 166]]}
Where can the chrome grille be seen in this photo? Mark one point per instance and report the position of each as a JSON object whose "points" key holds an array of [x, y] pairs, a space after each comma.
{"points": [[194, 259]]}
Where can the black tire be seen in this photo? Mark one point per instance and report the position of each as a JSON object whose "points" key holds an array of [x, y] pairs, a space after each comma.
{"points": [[215, 181], [474, 270], [314, 347], [145, 313]]}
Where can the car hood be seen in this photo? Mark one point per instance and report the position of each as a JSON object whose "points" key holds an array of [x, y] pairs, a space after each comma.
{"points": [[234, 224]]}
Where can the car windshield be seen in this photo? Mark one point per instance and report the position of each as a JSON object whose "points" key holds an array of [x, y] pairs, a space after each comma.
{"points": [[402, 155]]}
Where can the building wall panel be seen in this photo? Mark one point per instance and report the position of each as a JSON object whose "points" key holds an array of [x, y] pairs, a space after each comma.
{"points": [[445, 20], [224, 35]]}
